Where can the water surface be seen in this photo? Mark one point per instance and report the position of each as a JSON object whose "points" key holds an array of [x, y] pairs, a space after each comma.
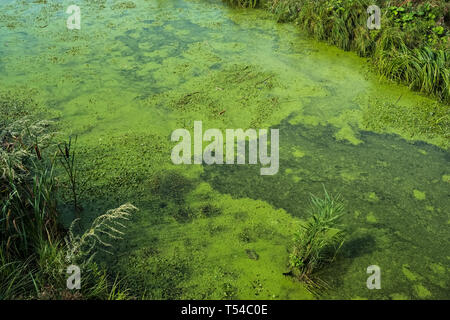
{"points": [[137, 70]]}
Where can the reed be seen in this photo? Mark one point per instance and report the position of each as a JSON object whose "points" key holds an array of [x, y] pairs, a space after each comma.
{"points": [[319, 239], [28, 206]]}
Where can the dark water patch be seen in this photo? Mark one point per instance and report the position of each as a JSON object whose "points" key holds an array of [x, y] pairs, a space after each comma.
{"points": [[396, 202]]}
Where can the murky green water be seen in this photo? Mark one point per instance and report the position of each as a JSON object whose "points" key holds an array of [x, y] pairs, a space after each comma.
{"points": [[132, 75]]}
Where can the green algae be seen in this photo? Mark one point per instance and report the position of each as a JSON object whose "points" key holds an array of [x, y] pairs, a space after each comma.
{"points": [[422, 292], [251, 252], [388, 239], [437, 268], [428, 121], [372, 196], [371, 218], [298, 153], [124, 84], [409, 274], [398, 296], [419, 195], [124, 5]]}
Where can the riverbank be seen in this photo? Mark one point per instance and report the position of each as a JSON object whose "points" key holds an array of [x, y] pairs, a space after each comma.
{"points": [[411, 47]]}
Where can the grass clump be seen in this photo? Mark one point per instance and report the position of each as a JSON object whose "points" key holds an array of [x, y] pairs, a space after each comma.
{"points": [[27, 186], [319, 240]]}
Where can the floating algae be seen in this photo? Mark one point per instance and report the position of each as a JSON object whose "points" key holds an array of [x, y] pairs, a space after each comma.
{"points": [[419, 195]]}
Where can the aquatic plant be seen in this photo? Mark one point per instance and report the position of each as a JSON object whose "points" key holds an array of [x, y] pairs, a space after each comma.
{"points": [[28, 206], [319, 238], [428, 119]]}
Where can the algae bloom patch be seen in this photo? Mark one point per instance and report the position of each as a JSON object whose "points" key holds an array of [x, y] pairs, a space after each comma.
{"points": [[419, 195]]}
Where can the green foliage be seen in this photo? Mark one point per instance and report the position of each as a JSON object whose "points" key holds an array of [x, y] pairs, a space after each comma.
{"points": [[33, 255], [28, 206], [423, 22], [15, 279], [319, 239], [411, 47], [49, 277]]}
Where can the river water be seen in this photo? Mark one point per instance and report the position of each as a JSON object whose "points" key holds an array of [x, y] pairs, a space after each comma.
{"points": [[137, 70]]}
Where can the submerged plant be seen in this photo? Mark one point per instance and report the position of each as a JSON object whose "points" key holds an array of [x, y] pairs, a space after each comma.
{"points": [[319, 239]]}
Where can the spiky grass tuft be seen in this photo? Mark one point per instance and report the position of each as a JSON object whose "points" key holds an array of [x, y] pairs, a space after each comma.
{"points": [[319, 239]]}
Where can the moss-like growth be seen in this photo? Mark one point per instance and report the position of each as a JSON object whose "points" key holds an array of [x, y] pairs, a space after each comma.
{"points": [[431, 120]]}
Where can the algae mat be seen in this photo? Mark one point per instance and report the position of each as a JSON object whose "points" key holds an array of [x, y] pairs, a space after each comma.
{"points": [[137, 70]]}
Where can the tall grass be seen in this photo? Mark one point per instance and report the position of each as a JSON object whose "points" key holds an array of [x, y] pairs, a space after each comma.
{"points": [[28, 207], [15, 278], [318, 241]]}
